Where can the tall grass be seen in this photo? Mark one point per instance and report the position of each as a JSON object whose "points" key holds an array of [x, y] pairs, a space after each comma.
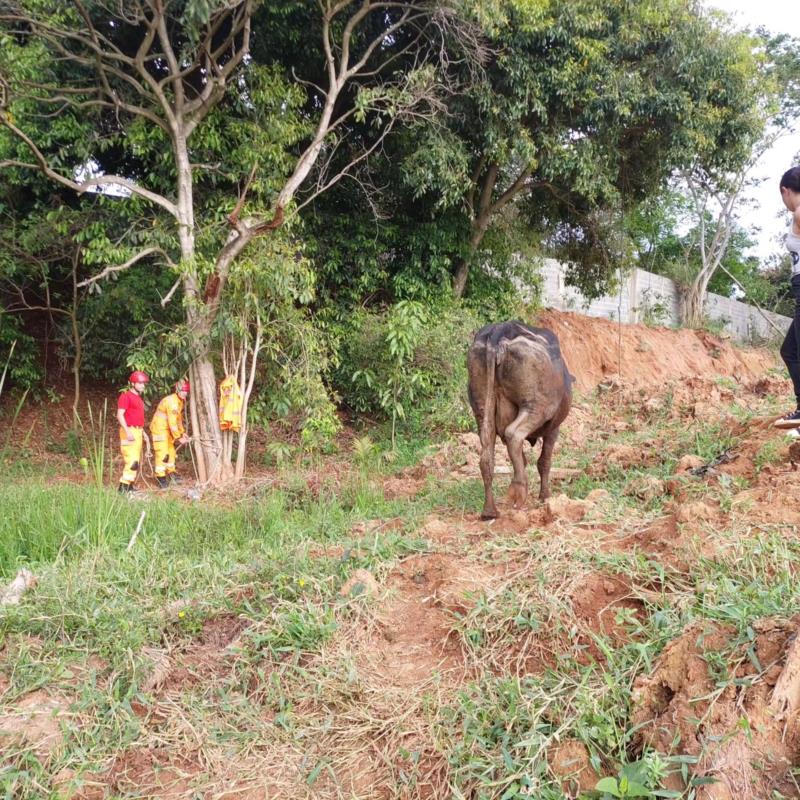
{"points": [[97, 446]]}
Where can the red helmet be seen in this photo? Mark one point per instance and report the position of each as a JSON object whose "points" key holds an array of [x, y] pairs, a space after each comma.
{"points": [[138, 377], [182, 386]]}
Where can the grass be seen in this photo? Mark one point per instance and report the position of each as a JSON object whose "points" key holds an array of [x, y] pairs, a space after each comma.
{"points": [[294, 692]]}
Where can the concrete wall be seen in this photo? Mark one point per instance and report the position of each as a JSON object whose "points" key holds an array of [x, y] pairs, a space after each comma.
{"points": [[645, 297]]}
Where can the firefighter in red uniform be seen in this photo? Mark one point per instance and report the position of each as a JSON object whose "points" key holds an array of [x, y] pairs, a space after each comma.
{"points": [[130, 415]]}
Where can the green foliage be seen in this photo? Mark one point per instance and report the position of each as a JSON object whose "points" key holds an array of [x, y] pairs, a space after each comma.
{"points": [[408, 364], [554, 122], [24, 368], [636, 779]]}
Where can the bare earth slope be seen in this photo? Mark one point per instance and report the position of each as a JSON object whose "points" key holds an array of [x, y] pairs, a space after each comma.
{"points": [[644, 615]]}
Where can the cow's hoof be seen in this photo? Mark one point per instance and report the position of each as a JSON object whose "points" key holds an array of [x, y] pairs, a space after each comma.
{"points": [[486, 515], [517, 494]]}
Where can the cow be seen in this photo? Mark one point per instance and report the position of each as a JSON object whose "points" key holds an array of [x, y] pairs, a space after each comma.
{"points": [[519, 388]]}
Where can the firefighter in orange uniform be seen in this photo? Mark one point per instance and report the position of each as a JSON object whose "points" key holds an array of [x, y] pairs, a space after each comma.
{"points": [[166, 428], [130, 415]]}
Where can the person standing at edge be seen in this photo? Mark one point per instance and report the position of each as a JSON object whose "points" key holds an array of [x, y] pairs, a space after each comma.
{"points": [[130, 415], [166, 428], [790, 349]]}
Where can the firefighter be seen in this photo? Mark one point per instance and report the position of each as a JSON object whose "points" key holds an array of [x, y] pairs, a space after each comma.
{"points": [[130, 415], [166, 428]]}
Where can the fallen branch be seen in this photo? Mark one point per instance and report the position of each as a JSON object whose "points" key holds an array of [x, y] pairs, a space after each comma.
{"points": [[132, 542]]}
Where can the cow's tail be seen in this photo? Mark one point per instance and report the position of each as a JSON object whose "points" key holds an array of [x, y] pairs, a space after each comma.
{"points": [[488, 428]]}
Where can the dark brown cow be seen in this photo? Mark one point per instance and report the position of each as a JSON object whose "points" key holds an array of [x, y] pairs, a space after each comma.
{"points": [[519, 388]]}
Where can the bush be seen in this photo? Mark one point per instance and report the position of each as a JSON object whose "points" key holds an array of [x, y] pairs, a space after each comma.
{"points": [[407, 364], [24, 367]]}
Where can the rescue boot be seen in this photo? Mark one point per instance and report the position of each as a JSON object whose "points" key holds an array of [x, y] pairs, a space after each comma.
{"points": [[124, 488], [163, 482]]}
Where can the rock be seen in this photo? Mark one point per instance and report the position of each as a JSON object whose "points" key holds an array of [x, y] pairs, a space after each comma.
{"points": [[563, 507], [624, 455], [23, 581], [360, 582], [688, 462], [645, 488], [701, 410], [696, 511], [612, 383], [570, 762], [654, 405], [598, 496]]}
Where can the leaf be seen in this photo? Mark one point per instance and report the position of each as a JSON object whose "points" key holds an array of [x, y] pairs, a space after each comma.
{"points": [[637, 790], [609, 785], [314, 774]]}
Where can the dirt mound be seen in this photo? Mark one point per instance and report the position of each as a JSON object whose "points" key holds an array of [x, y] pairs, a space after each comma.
{"points": [[709, 697], [416, 636], [596, 348], [35, 721]]}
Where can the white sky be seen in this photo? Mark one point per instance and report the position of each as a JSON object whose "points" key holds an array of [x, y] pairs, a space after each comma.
{"points": [[778, 16]]}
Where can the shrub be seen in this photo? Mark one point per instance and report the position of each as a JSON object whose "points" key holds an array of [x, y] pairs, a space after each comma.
{"points": [[408, 364], [24, 371]]}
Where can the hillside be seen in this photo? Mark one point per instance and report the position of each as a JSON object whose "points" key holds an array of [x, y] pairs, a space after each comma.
{"points": [[357, 632]]}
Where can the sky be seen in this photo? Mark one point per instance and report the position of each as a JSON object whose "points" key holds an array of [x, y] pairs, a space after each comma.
{"points": [[778, 16]]}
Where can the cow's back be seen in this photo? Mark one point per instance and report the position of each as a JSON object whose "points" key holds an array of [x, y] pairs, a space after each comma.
{"points": [[515, 341]]}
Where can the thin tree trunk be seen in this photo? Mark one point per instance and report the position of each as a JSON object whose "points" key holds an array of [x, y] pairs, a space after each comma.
{"points": [[202, 470], [77, 343], [76, 377], [247, 390]]}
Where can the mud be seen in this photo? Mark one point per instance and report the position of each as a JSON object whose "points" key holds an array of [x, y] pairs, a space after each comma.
{"points": [[722, 715]]}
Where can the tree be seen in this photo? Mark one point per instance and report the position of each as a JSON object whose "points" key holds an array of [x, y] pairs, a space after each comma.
{"points": [[766, 94], [584, 110], [211, 148]]}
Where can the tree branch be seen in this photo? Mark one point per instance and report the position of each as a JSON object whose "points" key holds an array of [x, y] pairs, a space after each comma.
{"points": [[148, 251]]}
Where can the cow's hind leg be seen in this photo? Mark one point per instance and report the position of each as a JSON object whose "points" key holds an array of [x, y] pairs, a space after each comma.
{"points": [[543, 464], [515, 434], [488, 437]]}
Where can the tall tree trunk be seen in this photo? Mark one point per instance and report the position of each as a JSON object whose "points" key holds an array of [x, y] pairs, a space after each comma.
{"points": [[204, 398], [693, 303], [201, 312], [692, 307], [478, 230]]}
